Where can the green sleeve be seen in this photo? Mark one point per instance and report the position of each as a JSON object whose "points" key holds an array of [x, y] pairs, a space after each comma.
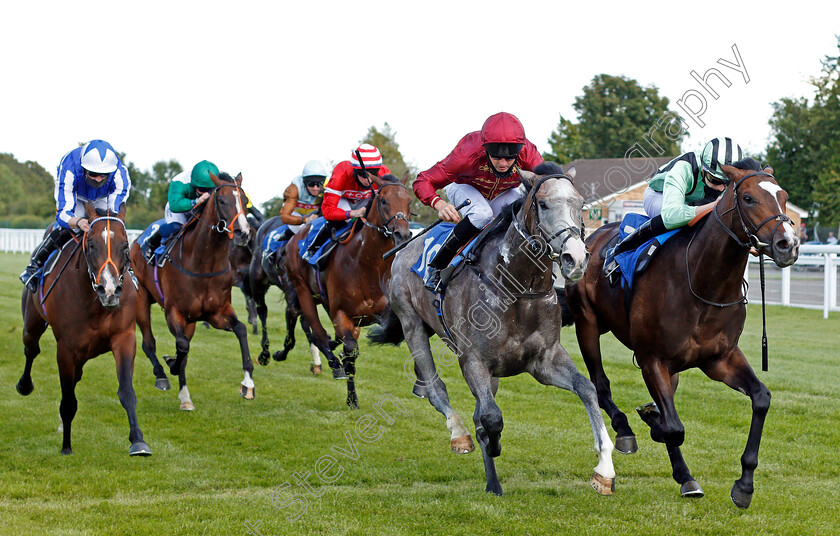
{"points": [[676, 192], [181, 196]]}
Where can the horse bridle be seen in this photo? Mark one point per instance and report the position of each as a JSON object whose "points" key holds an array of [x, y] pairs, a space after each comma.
{"points": [[221, 225], [752, 237], [386, 231], [533, 242], [95, 277]]}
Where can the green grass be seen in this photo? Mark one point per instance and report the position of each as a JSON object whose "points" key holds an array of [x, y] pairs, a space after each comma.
{"points": [[217, 468]]}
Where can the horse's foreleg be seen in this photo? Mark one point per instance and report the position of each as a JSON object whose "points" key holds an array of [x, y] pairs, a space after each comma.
{"points": [[291, 323], [348, 334], [226, 319], [318, 334], [67, 408], [142, 311], [34, 327], [559, 370], [124, 349], [262, 312], [665, 425], [487, 418], [588, 337], [734, 371]]}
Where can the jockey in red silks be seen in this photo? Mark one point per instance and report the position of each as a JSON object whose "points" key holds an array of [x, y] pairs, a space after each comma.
{"points": [[484, 168], [347, 192]]}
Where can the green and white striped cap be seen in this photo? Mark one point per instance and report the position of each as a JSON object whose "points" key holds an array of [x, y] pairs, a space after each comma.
{"points": [[718, 152]]}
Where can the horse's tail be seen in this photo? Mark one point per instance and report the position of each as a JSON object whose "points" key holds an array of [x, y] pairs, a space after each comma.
{"points": [[389, 330], [567, 318]]}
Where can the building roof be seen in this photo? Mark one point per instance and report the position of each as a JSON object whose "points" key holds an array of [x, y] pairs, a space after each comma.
{"points": [[598, 179]]}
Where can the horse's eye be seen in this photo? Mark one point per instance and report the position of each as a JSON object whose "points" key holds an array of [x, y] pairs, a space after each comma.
{"points": [[543, 205], [748, 199]]}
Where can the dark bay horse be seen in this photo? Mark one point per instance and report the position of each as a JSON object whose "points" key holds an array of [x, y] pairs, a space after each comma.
{"points": [[500, 317], [91, 311], [240, 263], [688, 311], [195, 285], [353, 286], [265, 272]]}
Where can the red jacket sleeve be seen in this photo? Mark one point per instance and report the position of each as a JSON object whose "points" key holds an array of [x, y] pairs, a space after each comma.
{"points": [[341, 180], [443, 173]]}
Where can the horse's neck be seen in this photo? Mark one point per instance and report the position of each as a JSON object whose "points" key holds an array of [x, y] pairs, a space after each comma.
{"points": [[209, 248], [716, 261], [515, 267]]}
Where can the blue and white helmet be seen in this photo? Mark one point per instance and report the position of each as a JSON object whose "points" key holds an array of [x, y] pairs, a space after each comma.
{"points": [[99, 157]]}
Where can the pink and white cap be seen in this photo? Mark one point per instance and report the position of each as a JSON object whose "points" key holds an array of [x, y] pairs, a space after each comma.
{"points": [[371, 156]]}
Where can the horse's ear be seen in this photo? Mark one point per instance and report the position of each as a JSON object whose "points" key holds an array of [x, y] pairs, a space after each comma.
{"points": [[121, 214], [216, 180], [528, 179], [90, 211], [375, 179], [238, 179], [767, 169], [731, 172], [405, 178], [571, 172]]}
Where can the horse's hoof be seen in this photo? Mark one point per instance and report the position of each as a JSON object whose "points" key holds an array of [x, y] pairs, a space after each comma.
{"points": [[626, 444], [352, 402], [263, 358], [25, 389], [162, 384], [602, 484], [462, 445], [419, 391], [495, 489], [339, 374], [740, 498], [279, 356], [247, 393], [139, 448], [315, 369], [187, 406], [67, 451], [691, 489]]}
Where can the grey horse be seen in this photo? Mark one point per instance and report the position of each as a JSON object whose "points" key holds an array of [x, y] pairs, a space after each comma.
{"points": [[501, 317]]}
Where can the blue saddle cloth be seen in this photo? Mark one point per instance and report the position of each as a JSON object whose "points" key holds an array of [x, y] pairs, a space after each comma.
{"points": [[143, 239], [272, 243], [432, 242], [628, 260], [315, 226]]}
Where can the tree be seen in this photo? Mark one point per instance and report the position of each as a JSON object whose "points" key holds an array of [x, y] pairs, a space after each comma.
{"points": [[805, 149], [385, 140], [617, 118], [149, 192], [26, 193]]}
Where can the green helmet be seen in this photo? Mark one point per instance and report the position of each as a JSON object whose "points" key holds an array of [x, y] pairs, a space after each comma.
{"points": [[200, 175], [718, 152]]}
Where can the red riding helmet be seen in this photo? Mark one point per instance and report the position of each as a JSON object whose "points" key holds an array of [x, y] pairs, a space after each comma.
{"points": [[502, 134]]}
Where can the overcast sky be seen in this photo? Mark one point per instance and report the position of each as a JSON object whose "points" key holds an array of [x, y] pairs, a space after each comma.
{"points": [[262, 87]]}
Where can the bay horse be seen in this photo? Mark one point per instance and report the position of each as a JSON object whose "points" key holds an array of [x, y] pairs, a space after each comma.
{"points": [[195, 285], [687, 310], [262, 274], [353, 286], [499, 315], [91, 311]]}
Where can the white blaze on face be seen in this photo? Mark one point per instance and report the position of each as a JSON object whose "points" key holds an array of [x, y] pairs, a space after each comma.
{"points": [[774, 190], [241, 219], [107, 280]]}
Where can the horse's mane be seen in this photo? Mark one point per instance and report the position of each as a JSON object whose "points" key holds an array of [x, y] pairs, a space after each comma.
{"points": [[225, 176], [548, 168], [390, 178], [747, 164]]}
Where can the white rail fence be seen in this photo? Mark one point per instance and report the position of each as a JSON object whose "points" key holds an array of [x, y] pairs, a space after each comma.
{"points": [[811, 283]]}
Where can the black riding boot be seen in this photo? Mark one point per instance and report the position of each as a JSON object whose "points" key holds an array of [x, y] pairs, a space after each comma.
{"points": [[651, 228], [152, 244], [463, 232], [40, 255], [323, 235]]}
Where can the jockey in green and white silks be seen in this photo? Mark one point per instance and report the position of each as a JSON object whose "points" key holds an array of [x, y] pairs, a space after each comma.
{"points": [[681, 190]]}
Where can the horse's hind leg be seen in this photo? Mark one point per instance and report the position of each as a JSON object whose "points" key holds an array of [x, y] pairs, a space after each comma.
{"points": [[124, 350], [588, 336], [348, 333], [33, 328], [487, 418], [734, 371], [259, 291], [559, 370], [142, 311]]}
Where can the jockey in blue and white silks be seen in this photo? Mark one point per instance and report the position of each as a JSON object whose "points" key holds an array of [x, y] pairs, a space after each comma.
{"points": [[72, 183], [92, 173]]}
